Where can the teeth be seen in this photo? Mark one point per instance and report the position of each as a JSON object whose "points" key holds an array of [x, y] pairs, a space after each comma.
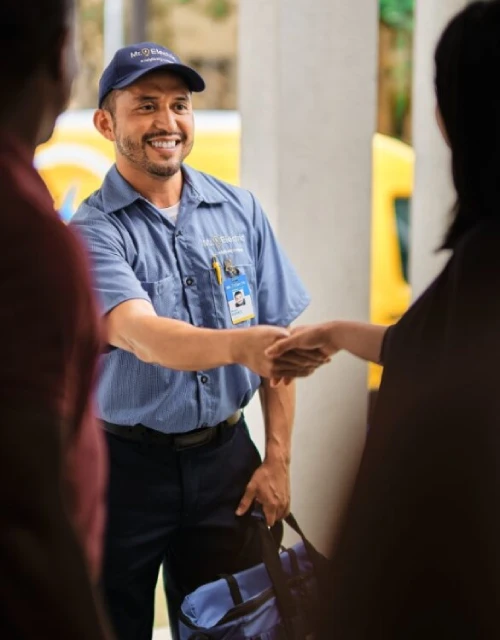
{"points": [[163, 144]]}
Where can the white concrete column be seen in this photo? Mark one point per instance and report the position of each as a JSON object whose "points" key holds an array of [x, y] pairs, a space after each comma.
{"points": [[433, 195], [113, 28], [139, 16], [307, 100]]}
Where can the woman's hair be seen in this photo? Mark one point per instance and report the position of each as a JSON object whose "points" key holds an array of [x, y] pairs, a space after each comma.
{"points": [[468, 94]]}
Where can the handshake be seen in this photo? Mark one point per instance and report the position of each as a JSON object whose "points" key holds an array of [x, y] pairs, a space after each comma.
{"points": [[282, 354]]}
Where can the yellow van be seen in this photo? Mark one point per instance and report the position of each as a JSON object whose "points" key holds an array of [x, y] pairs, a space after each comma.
{"points": [[73, 164], [392, 185]]}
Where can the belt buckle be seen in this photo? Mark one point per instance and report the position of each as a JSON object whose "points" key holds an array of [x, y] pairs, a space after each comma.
{"points": [[210, 434]]}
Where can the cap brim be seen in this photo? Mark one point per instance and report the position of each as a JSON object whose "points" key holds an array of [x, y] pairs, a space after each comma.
{"points": [[193, 79]]}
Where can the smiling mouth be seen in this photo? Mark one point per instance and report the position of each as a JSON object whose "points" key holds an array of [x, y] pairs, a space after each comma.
{"points": [[164, 144]]}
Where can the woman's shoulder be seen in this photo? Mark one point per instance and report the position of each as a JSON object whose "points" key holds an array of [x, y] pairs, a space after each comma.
{"points": [[483, 238]]}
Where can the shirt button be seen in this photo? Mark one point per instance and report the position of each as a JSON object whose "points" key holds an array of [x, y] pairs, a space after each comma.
{"points": [[204, 379], [189, 281]]}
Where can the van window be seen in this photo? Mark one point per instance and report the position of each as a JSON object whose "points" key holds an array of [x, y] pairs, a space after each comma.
{"points": [[402, 210]]}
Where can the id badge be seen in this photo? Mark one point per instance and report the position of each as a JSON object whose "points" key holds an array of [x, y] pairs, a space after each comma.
{"points": [[239, 298]]}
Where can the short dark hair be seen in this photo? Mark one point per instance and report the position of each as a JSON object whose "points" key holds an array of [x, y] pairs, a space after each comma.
{"points": [[29, 30], [468, 94], [109, 103]]}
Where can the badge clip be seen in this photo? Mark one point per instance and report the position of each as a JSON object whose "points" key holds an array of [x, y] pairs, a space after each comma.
{"points": [[230, 269]]}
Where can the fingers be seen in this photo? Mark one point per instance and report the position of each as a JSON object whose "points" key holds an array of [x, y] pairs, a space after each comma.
{"points": [[296, 364], [276, 334], [271, 514], [247, 500], [304, 359], [282, 346]]}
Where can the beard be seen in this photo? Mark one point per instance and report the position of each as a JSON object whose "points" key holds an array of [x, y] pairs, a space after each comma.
{"points": [[136, 154]]}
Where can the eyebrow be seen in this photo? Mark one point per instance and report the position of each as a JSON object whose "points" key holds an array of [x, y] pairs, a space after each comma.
{"points": [[145, 97]]}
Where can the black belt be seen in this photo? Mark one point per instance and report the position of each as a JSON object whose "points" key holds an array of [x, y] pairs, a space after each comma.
{"points": [[178, 441]]}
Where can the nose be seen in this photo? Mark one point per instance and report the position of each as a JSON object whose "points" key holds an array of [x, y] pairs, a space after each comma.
{"points": [[165, 119]]}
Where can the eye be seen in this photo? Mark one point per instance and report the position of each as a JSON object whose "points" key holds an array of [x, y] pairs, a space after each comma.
{"points": [[181, 106], [146, 108]]}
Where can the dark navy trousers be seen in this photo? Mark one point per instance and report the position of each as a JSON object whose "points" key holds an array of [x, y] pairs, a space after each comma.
{"points": [[175, 508]]}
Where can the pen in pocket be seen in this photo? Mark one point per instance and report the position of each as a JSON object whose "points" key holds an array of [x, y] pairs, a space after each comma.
{"points": [[217, 269]]}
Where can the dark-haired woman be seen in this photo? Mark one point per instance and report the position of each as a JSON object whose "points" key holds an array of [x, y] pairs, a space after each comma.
{"points": [[418, 554]]}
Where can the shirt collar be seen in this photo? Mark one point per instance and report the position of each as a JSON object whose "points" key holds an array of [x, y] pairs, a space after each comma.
{"points": [[201, 186], [118, 194]]}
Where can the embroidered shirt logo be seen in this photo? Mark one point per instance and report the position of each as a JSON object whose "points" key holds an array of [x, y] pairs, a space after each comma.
{"points": [[219, 241]]}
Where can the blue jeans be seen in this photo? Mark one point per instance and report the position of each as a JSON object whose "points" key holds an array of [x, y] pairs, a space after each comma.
{"points": [[176, 508]]}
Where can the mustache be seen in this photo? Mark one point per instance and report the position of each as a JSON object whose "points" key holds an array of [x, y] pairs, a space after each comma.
{"points": [[163, 134]]}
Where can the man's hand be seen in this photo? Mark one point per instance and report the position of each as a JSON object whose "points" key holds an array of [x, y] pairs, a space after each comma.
{"points": [[270, 487], [249, 347], [252, 345], [306, 349]]}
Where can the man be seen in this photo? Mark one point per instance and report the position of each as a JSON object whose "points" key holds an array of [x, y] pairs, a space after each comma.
{"points": [[239, 299], [51, 459], [170, 246]]}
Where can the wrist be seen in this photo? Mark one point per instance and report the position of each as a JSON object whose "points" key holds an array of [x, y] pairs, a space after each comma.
{"points": [[332, 335], [278, 454], [236, 341]]}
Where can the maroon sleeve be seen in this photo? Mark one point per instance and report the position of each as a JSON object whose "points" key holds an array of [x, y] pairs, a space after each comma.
{"points": [[44, 582], [40, 317]]}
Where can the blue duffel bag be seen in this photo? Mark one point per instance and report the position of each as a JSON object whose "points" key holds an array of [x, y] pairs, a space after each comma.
{"points": [[277, 599]]}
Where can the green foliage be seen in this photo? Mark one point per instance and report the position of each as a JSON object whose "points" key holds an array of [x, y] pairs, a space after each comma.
{"points": [[398, 13], [216, 9]]}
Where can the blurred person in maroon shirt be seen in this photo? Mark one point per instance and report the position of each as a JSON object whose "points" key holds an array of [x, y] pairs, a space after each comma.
{"points": [[52, 460]]}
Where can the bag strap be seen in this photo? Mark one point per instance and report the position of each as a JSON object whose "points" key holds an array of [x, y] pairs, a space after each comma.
{"points": [[294, 561], [318, 561], [284, 600]]}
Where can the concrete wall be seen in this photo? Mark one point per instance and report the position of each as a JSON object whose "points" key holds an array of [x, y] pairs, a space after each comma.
{"points": [[308, 100]]}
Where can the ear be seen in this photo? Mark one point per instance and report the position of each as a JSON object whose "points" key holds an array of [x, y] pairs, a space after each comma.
{"points": [[103, 122]]}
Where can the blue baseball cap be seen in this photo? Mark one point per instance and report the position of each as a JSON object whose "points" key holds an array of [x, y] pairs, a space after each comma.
{"points": [[132, 62]]}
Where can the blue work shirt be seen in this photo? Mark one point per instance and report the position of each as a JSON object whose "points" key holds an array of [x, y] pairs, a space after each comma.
{"points": [[136, 252]]}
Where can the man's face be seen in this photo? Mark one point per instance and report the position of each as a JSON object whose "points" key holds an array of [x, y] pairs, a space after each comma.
{"points": [[238, 298], [153, 124]]}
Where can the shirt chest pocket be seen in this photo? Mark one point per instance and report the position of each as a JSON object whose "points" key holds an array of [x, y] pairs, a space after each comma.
{"points": [[164, 296], [220, 311]]}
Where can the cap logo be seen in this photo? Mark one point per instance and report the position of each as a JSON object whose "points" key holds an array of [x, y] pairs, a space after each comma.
{"points": [[146, 53]]}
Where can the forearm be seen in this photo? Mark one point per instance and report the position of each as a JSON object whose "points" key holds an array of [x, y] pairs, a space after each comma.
{"points": [[278, 407], [178, 345], [361, 339]]}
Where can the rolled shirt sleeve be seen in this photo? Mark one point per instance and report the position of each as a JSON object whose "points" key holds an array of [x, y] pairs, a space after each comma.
{"points": [[113, 276]]}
